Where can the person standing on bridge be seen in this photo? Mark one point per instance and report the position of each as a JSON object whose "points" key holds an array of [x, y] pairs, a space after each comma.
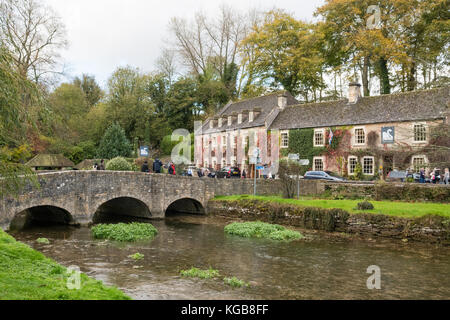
{"points": [[145, 167], [172, 169], [157, 165]]}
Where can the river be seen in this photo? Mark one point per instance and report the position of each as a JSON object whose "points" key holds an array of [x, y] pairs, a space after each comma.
{"points": [[320, 267]]}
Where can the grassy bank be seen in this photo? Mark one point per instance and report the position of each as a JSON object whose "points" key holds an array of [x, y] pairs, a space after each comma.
{"points": [[398, 209], [26, 274]]}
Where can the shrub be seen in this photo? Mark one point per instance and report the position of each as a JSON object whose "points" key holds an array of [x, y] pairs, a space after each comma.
{"points": [[262, 230], [365, 205], [119, 164], [202, 274], [235, 282], [125, 232]]}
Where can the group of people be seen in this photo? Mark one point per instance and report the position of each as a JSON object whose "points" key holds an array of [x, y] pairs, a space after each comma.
{"points": [[436, 176], [158, 166]]}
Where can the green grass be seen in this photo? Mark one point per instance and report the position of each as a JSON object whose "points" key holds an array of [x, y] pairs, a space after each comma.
{"points": [[124, 232], [26, 274], [262, 230], [198, 273], [235, 282], [393, 208]]}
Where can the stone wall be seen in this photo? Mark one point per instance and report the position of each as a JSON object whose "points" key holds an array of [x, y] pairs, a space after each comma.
{"points": [[432, 229], [388, 191]]}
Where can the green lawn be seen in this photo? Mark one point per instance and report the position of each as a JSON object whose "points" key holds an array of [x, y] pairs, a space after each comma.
{"points": [[399, 209], [26, 274]]}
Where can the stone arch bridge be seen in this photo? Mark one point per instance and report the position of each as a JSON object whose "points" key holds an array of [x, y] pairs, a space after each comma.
{"points": [[77, 197]]}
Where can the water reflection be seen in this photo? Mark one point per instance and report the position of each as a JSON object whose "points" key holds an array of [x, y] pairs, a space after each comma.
{"points": [[312, 269]]}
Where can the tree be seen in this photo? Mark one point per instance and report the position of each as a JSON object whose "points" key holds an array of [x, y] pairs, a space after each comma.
{"points": [[91, 89], [286, 54], [34, 34], [114, 144], [14, 175]]}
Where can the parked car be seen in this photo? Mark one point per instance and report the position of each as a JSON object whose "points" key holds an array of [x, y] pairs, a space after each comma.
{"points": [[229, 172], [322, 175]]}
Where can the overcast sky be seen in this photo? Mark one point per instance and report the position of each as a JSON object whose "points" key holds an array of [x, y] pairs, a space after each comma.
{"points": [[105, 34]]}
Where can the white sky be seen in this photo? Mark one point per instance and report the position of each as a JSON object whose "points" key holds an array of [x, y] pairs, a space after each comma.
{"points": [[105, 34]]}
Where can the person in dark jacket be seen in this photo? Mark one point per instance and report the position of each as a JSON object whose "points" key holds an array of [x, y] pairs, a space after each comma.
{"points": [[157, 165], [145, 167], [102, 165]]}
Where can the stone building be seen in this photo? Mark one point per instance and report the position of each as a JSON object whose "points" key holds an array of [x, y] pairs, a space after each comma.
{"points": [[228, 138], [372, 134]]}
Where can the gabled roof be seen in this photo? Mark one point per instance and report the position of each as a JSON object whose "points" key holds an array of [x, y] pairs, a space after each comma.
{"points": [[50, 161], [410, 106], [266, 104]]}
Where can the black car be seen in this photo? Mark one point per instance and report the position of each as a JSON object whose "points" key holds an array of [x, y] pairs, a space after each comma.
{"points": [[322, 175], [229, 172]]}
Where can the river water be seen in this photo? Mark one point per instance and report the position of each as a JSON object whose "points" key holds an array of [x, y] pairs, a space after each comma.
{"points": [[320, 267]]}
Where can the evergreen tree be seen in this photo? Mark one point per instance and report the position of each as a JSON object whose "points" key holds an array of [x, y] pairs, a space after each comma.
{"points": [[114, 143]]}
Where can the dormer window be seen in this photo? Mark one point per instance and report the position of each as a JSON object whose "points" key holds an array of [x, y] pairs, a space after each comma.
{"points": [[250, 116], [220, 122], [239, 118], [211, 124], [229, 121]]}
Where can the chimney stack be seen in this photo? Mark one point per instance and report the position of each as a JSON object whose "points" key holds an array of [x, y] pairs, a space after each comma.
{"points": [[282, 101], [354, 92]]}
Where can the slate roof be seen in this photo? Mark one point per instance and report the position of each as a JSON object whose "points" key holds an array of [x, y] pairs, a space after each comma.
{"points": [[50, 160], [266, 103], [411, 106]]}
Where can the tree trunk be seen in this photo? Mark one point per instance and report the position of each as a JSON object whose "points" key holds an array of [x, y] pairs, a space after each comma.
{"points": [[365, 77], [385, 86], [411, 86]]}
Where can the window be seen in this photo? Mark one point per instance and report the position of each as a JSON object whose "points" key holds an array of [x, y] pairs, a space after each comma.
{"points": [[360, 136], [418, 162], [352, 163], [224, 141], [250, 116], [214, 141], [206, 164], [420, 133], [220, 122], [230, 121], [319, 138], [368, 165], [239, 118], [318, 164], [285, 139], [211, 124]]}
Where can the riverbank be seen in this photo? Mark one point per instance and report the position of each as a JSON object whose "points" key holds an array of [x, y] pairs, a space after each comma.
{"points": [[425, 222], [26, 274]]}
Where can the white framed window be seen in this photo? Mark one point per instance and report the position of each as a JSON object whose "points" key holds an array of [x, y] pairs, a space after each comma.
{"points": [[318, 164], [368, 166], [418, 162], [360, 136], [250, 116], [220, 122], [224, 141], [285, 139], [214, 142], [239, 118], [319, 138], [211, 124], [230, 121], [352, 163], [420, 132]]}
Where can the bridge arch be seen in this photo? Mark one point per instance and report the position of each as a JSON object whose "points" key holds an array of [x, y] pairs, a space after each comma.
{"points": [[123, 208], [185, 206], [40, 215]]}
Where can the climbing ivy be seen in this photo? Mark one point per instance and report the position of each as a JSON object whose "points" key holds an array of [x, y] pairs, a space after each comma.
{"points": [[301, 142]]}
